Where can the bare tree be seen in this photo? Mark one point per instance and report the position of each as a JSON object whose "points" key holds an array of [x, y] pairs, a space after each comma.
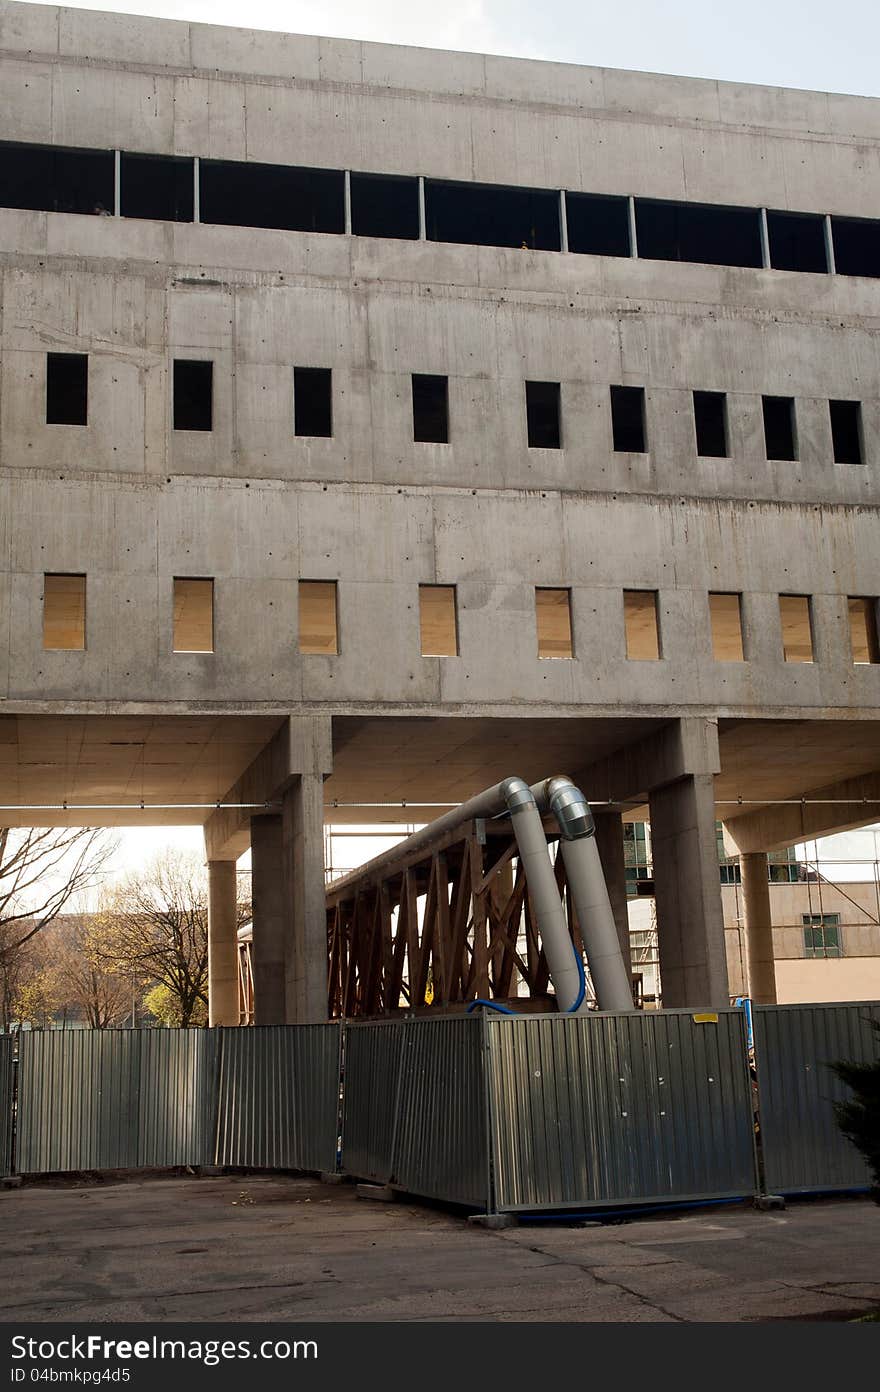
{"points": [[84, 982], [41, 870], [154, 924]]}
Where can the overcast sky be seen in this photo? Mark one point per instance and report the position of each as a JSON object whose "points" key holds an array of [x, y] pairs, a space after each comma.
{"points": [[788, 43]]}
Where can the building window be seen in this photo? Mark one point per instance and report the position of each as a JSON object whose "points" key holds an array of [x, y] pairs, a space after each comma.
{"points": [[822, 935], [598, 225], [725, 616], [641, 625], [56, 180], [156, 186], [438, 621], [701, 232], [193, 615], [553, 620], [846, 431], [780, 437], [856, 246], [430, 406], [67, 388], [193, 394], [312, 401], [542, 415], [64, 612], [385, 205], [710, 424], [863, 629], [628, 419], [797, 241], [318, 627], [492, 215], [249, 194], [795, 615]]}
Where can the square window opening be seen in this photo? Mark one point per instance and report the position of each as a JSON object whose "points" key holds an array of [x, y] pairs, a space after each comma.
{"points": [[598, 225], [64, 613], [642, 626], [430, 406], [67, 388], [780, 435], [543, 415], [553, 619], [856, 246], [193, 394], [846, 431], [628, 419], [318, 626], [710, 424], [159, 187], [797, 241], [313, 401], [193, 615], [438, 621], [385, 205]]}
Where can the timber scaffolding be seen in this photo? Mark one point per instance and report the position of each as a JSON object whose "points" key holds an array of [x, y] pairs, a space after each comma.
{"points": [[390, 954]]}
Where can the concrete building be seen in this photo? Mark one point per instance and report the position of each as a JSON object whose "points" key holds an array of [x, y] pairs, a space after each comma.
{"points": [[379, 422]]}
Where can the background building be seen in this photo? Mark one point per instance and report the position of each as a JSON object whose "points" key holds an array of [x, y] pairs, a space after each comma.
{"points": [[379, 422]]}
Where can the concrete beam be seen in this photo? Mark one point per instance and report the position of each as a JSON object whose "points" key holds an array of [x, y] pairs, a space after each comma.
{"points": [[302, 859], [302, 745], [853, 802], [681, 748]]}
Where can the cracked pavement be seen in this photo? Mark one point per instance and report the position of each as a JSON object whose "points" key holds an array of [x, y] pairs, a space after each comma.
{"points": [[276, 1247]]}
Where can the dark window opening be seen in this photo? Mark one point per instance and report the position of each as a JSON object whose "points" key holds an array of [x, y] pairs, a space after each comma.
{"points": [[384, 205], [67, 388], [779, 432], [193, 394], [846, 431], [156, 186], [53, 180], [710, 423], [492, 215], [856, 246], [797, 242], [542, 415], [628, 419], [430, 403], [597, 225], [698, 232], [312, 401], [271, 195]]}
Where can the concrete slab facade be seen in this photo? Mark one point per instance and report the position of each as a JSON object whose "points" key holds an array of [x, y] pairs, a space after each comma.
{"points": [[133, 504]]}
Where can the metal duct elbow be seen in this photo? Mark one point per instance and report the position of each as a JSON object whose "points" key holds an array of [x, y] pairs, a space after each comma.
{"points": [[570, 808]]}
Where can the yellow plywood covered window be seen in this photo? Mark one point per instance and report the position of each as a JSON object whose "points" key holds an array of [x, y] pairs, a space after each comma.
{"points": [[193, 616], [437, 619], [318, 632], [553, 616], [797, 629], [726, 619], [642, 628], [64, 612], [863, 629]]}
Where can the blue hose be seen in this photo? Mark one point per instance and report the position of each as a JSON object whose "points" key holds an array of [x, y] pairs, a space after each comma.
{"points": [[490, 1005], [503, 1010]]}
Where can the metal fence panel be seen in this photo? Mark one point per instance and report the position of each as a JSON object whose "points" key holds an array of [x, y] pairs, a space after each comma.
{"points": [[77, 1106], [415, 1107], [601, 1109], [801, 1144], [7, 1085], [278, 1097], [175, 1075]]}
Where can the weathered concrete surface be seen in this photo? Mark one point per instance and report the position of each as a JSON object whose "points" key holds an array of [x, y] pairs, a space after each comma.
{"points": [[259, 1248]]}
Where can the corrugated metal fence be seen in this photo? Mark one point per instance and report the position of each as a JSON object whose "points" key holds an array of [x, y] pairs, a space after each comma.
{"points": [[128, 1099], [802, 1146], [415, 1107], [599, 1110], [6, 1103]]}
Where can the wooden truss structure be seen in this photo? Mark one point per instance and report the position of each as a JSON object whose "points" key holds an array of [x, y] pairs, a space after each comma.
{"points": [[432, 929]]}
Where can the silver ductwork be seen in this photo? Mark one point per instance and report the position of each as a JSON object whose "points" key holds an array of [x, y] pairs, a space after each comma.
{"points": [[589, 892]]}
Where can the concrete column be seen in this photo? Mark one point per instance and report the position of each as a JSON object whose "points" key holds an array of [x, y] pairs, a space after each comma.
{"points": [[268, 903], [305, 955], [687, 884], [759, 927], [609, 840], [223, 1008]]}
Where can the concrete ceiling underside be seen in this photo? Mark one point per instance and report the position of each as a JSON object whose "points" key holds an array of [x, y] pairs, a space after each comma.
{"points": [[380, 762]]}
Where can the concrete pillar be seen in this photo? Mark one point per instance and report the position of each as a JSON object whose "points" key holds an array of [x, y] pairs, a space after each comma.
{"points": [[267, 895], [223, 1007], [687, 885], [759, 927], [609, 840], [306, 965]]}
